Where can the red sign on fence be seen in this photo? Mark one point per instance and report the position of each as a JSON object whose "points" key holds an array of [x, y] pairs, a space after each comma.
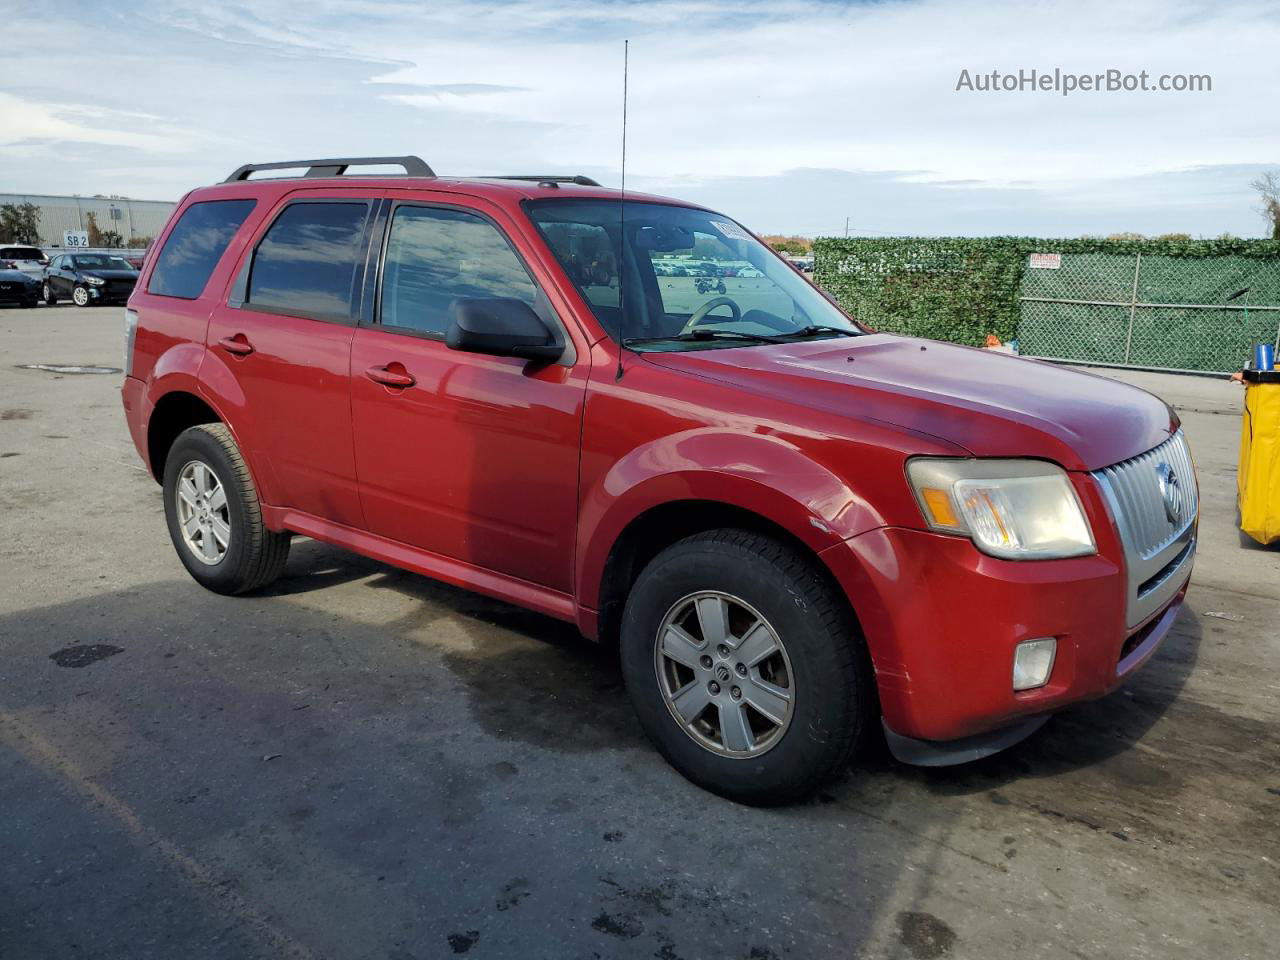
{"points": [[1046, 261]]}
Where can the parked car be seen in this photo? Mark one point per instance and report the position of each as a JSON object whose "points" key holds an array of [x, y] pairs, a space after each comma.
{"points": [[30, 260], [17, 287], [88, 278], [800, 533]]}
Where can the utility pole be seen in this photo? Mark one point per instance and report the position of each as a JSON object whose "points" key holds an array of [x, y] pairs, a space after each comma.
{"points": [[846, 226]]}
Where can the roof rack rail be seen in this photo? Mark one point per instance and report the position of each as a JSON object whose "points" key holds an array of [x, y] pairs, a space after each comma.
{"points": [[577, 178], [337, 166]]}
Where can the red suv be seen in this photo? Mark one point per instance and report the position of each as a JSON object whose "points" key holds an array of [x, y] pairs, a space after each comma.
{"points": [[796, 529]]}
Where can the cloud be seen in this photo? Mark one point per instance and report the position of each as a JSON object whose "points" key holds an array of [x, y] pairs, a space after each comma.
{"points": [[29, 123], [404, 91], [723, 96]]}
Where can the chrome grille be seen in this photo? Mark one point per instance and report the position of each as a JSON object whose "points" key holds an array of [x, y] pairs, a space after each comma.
{"points": [[1140, 492], [1153, 499]]}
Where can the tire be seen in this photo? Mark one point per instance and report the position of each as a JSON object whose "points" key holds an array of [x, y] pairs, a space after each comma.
{"points": [[821, 664], [49, 296], [80, 296], [252, 556]]}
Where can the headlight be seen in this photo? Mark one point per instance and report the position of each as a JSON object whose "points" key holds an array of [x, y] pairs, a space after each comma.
{"points": [[1017, 509], [94, 281]]}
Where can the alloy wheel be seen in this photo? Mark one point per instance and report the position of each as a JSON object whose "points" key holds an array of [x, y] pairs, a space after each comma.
{"points": [[203, 514], [724, 674], [81, 296]]}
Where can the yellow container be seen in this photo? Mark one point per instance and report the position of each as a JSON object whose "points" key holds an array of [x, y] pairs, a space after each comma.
{"points": [[1258, 479]]}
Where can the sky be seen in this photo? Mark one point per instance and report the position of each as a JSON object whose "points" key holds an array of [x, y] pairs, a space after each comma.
{"points": [[794, 116]]}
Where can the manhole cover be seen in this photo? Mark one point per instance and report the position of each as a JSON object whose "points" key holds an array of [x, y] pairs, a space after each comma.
{"points": [[68, 368]]}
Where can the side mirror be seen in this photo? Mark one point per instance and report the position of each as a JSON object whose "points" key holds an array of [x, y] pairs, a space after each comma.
{"points": [[502, 327]]}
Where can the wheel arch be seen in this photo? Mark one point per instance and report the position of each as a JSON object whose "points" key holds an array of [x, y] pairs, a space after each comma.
{"points": [[658, 527], [173, 413]]}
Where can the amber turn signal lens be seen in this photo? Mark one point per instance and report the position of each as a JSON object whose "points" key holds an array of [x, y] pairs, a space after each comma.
{"points": [[939, 505]]}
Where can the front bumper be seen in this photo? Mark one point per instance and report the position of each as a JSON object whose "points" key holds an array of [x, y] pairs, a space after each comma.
{"points": [[942, 619], [13, 291], [109, 294]]}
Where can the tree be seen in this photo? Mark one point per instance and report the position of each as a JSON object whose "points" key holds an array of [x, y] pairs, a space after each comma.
{"points": [[94, 231], [20, 223], [793, 245], [1268, 187]]}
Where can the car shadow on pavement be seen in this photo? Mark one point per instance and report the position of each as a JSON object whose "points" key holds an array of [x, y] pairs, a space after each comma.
{"points": [[527, 672], [300, 774]]}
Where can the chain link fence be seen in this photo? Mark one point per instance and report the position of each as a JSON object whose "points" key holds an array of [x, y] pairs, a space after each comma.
{"points": [[1195, 314], [1164, 303]]}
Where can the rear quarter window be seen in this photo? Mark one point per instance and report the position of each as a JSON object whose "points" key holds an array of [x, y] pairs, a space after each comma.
{"points": [[195, 245]]}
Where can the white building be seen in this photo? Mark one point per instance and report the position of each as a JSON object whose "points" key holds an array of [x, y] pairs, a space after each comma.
{"points": [[137, 221]]}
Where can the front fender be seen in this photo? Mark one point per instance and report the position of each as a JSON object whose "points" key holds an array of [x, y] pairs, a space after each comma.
{"points": [[764, 474]]}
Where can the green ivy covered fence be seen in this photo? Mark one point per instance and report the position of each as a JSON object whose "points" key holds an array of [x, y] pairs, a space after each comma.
{"points": [[1160, 303]]}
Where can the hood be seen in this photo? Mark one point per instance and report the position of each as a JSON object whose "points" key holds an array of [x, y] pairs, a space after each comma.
{"points": [[16, 276], [109, 274], [991, 404]]}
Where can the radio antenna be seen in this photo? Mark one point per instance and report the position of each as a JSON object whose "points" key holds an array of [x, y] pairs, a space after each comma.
{"points": [[622, 223]]}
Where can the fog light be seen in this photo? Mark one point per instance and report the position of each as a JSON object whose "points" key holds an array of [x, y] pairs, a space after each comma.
{"points": [[1033, 662]]}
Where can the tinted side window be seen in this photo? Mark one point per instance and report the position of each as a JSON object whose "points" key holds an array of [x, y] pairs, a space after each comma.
{"points": [[306, 263], [195, 246], [435, 256]]}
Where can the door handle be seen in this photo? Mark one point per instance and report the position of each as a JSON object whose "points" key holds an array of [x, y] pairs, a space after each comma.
{"points": [[391, 378], [239, 345]]}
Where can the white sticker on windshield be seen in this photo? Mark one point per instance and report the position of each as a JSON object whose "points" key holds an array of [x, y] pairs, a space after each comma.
{"points": [[731, 230]]}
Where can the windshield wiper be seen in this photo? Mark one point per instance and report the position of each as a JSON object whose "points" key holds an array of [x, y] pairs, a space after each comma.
{"points": [[694, 336], [814, 329]]}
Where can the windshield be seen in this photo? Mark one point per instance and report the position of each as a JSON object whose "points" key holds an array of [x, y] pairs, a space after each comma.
{"points": [[93, 262], [689, 279]]}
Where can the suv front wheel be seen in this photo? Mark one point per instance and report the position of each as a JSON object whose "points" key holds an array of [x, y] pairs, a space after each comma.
{"points": [[214, 516], [746, 667]]}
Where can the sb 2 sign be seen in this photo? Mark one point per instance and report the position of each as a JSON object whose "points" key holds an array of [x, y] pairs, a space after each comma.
{"points": [[75, 238]]}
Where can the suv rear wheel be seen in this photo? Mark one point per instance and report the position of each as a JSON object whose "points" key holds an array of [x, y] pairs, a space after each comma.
{"points": [[214, 517], [746, 666]]}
